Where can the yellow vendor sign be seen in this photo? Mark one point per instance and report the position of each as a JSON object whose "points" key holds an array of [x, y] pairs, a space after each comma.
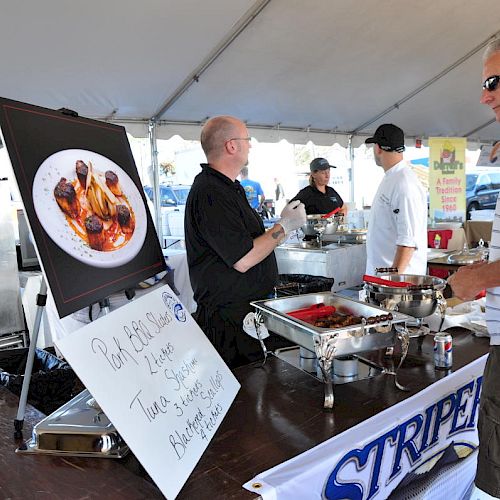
{"points": [[447, 179]]}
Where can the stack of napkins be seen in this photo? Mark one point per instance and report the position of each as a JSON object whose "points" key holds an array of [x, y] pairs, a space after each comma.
{"points": [[469, 315]]}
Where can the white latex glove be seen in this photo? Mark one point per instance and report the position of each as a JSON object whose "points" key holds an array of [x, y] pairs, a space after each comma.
{"points": [[293, 216]]}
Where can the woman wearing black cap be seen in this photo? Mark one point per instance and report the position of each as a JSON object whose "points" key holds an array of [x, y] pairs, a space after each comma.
{"points": [[319, 197]]}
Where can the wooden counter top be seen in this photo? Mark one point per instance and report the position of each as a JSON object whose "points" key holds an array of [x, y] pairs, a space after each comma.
{"points": [[276, 415]]}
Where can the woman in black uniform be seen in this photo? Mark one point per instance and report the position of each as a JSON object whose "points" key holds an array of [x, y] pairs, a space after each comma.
{"points": [[318, 197]]}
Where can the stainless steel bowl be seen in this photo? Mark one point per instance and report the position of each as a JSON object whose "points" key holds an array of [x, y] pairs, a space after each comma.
{"points": [[315, 221], [418, 302]]}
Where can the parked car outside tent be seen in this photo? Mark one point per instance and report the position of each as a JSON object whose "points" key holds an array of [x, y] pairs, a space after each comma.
{"points": [[173, 203], [170, 196], [481, 191]]}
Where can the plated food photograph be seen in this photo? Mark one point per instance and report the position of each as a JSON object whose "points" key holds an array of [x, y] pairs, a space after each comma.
{"points": [[90, 207]]}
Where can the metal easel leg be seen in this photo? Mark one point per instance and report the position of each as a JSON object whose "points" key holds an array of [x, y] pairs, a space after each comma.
{"points": [[41, 300]]}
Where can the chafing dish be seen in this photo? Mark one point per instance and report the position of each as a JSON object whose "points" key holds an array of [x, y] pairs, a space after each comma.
{"points": [[78, 428], [318, 224], [469, 255], [329, 343], [347, 236], [420, 299]]}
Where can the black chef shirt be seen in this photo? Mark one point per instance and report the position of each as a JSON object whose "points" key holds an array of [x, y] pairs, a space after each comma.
{"points": [[317, 202], [220, 227]]}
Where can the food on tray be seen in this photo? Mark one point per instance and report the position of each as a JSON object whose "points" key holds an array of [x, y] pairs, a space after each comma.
{"points": [[342, 320], [337, 320], [82, 171], [95, 232], [125, 219], [65, 195], [96, 208], [112, 183]]}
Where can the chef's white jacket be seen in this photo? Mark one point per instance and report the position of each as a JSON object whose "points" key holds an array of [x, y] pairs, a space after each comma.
{"points": [[398, 217]]}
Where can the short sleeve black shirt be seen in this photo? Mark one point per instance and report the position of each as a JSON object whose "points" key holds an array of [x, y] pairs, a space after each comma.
{"points": [[220, 227], [317, 202]]}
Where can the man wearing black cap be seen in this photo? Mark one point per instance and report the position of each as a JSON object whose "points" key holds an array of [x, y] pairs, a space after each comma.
{"points": [[318, 197], [397, 229]]}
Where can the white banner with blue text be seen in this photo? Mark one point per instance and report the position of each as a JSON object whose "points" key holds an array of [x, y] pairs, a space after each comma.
{"points": [[158, 379], [431, 430]]}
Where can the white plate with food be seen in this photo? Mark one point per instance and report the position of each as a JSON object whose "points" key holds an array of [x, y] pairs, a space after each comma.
{"points": [[90, 207]]}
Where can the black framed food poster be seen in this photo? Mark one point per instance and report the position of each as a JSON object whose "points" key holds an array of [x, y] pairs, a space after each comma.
{"points": [[84, 202]]}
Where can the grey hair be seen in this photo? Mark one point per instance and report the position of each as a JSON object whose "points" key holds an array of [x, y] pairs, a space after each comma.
{"points": [[492, 48]]}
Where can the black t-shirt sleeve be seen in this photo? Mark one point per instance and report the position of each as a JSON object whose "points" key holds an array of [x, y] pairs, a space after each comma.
{"points": [[301, 195], [221, 224]]}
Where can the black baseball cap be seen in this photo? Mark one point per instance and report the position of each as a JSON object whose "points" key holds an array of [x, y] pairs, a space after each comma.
{"points": [[320, 164], [389, 138]]}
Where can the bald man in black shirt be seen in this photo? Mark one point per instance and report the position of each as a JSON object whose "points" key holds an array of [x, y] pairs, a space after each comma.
{"points": [[230, 255]]}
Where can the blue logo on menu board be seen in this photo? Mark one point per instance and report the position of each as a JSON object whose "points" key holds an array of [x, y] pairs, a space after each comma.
{"points": [[172, 302]]}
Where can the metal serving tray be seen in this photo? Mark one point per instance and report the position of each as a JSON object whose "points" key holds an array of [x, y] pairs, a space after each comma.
{"points": [[328, 343], [349, 340], [78, 428]]}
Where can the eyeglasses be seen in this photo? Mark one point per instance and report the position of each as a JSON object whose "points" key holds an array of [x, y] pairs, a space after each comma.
{"points": [[491, 83]]}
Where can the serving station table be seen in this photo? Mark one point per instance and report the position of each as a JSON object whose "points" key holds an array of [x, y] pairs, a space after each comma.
{"points": [[276, 415]]}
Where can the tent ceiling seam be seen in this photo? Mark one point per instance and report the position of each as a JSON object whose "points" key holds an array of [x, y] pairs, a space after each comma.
{"points": [[195, 75], [426, 84]]}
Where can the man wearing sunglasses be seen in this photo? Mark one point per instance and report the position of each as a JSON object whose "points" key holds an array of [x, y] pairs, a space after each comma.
{"points": [[230, 255], [466, 283]]}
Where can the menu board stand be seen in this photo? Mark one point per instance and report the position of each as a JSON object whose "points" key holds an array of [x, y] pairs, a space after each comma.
{"points": [[41, 300]]}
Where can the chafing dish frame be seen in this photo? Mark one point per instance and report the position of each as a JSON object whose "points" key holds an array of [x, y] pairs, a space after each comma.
{"points": [[329, 343], [418, 301]]}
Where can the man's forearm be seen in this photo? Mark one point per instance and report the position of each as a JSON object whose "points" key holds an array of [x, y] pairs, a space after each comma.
{"points": [[402, 258], [489, 275], [468, 281], [262, 247]]}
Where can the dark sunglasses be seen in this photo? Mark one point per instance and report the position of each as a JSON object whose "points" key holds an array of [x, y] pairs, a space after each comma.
{"points": [[491, 83]]}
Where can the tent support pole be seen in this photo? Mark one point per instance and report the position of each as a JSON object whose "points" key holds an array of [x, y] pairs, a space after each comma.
{"points": [[156, 179], [350, 148]]}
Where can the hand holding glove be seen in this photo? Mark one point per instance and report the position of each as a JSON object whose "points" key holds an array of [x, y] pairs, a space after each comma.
{"points": [[293, 216]]}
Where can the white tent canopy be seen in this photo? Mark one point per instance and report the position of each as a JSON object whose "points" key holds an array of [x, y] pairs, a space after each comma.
{"points": [[301, 70]]}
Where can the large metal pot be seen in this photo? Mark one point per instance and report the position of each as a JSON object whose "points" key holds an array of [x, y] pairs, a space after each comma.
{"points": [[315, 224], [418, 300]]}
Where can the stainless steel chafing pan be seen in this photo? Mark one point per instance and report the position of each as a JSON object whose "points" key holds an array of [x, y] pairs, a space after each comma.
{"points": [[78, 428], [349, 340], [329, 343]]}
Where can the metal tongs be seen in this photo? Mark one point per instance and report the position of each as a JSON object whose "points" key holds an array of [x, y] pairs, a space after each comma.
{"points": [[376, 280], [329, 214]]}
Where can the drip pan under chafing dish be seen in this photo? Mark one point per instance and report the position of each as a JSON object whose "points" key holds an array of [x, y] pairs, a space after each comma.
{"points": [[78, 428], [349, 340]]}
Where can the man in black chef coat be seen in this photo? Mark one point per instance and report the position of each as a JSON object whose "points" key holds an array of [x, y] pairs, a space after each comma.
{"points": [[230, 255]]}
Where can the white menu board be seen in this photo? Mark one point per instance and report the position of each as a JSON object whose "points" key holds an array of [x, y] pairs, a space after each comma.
{"points": [[158, 379]]}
